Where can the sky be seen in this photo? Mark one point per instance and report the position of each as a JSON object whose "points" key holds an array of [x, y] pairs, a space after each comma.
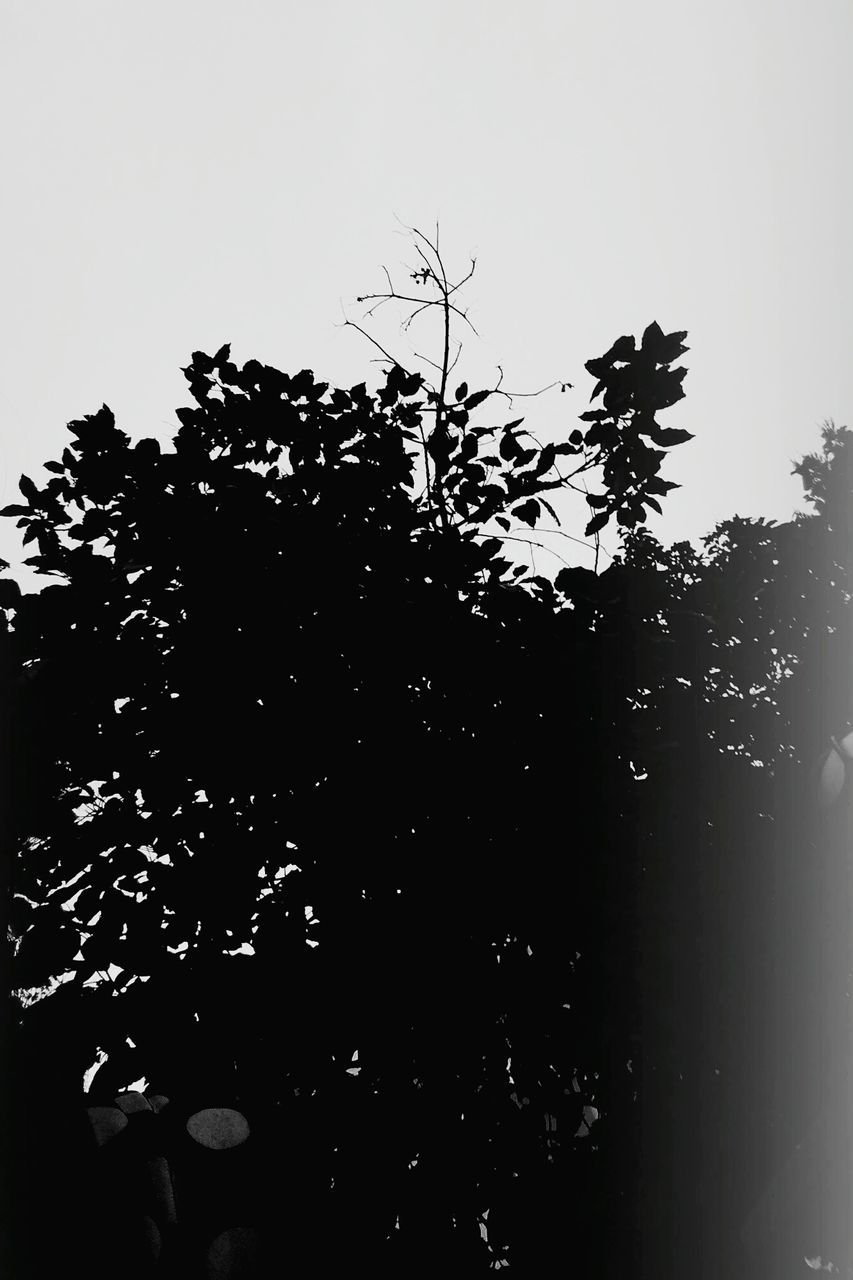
{"points": [[182, 174]]}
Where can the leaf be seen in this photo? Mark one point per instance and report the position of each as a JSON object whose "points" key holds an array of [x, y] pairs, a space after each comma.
{"points": [[56, 467], [623, 349], [15, 510], [467, 449], [301, 384], [656, 485], [523, 457], [504, 523], [667, 436], [546, 459], [106, 1122], [653, 503], [576, 437], [598, 522], [652, 336], [508, 447], [252, 372], [597, 499], [670, 346], [222, 355], [491, 546], [200, 363], [477, 398], [528, 511], [10, 593], [462, 391], [28, 489], [575, 581], [218, 1128]]}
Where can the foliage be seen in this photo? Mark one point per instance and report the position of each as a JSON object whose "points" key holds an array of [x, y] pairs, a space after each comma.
{"points": [[280, 701]]}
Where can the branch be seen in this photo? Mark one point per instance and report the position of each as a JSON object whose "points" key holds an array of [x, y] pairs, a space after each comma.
{"points": [[528, 542], [513, 395], [352, 325]]}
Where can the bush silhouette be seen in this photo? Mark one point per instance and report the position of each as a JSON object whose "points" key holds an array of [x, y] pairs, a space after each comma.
{"points": [[400, 850]]}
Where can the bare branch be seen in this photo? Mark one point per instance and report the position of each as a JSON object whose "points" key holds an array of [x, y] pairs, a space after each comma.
{"points": [[508, 537], [407, 323], [455, 359], [513, 395], [379, 298], [427, 360], [350, 324], [467, 278]]}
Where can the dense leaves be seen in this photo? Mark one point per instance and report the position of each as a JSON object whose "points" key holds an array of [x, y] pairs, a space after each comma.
{"points": [[280, 702]]}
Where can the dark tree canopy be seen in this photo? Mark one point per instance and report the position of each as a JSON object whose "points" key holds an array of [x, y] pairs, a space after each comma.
{"points": [[288, 695]]}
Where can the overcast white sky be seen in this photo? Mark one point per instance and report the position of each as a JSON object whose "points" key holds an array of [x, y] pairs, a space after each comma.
{"points": [[180, 174]]}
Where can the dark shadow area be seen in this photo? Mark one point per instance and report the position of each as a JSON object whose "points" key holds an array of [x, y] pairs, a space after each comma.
{"points": [[544, 963]]}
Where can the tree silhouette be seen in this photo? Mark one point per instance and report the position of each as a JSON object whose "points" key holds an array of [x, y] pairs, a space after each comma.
{"points": [[331, 813]]}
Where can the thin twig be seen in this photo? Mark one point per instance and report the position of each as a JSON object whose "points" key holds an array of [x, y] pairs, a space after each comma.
{"points": [[352, 325], [508, 537], [520, 395]]}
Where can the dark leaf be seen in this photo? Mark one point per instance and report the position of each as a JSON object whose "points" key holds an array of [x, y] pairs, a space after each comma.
{"points": [[528, 512], [301, 384], [652, 337], [598, 522], [523, 457], [252, 373], [546, 459], [667, 436], [28, 489], [509, 446], [656, 485], [10, 593], [623, 349], [575, 580], [462, 391], [672, 346], [201, 363], [491, 546]]}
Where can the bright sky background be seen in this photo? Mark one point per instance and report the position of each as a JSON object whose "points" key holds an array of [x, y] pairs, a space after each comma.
{"points": [[181, 174]]}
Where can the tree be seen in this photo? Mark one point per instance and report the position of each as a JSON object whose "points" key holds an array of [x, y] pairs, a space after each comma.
{"points": [[281, 700]]}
